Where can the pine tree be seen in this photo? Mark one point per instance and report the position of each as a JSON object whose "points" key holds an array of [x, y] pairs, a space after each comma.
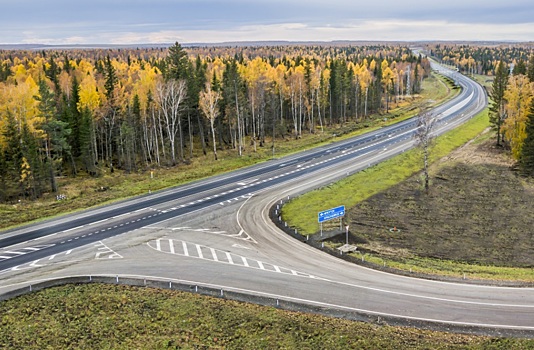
{"points": [[111, 112], [526, 161], [231, 104], [52, 73], [12, 158], [497, 113], [73, 118], [530, 69], [111, 79], [176, 63], [31, 168], [520, 68], [3, 174], [57, 131], [87, 155]]}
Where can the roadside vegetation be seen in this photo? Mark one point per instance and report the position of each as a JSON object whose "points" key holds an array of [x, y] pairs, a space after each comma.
{"points": [[371, 181], [475, 222], [120, 317], [84, 192], [456, 230], [92, 112]]}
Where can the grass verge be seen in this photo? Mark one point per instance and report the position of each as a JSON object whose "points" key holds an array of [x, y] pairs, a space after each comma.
{"points": [[99, 316]]}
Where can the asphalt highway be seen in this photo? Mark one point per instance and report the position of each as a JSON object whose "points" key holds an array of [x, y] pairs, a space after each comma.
{"points": [[217, 232]]}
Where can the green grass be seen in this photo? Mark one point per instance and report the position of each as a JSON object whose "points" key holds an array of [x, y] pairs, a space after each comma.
{"points": [[83, 192], [97, 316], [382, 249], [301, 212], [454, 269]]}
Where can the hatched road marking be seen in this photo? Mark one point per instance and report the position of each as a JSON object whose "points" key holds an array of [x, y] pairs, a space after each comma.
{"points": [[193, 250]]}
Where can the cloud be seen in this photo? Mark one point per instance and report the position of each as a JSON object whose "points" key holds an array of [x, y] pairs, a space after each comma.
{"points": [[398, 30], [157, 21]]}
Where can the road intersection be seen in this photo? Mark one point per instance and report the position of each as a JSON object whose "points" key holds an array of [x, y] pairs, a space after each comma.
{"points": [[217, 232]]}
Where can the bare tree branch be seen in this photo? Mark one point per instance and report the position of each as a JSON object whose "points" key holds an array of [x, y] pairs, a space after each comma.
{"points": [[423, 139]]}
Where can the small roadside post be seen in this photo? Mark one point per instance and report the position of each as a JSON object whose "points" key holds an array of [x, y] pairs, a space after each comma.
{"points": [[347, 233]]}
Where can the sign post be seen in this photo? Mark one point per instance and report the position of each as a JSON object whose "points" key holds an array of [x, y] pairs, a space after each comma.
{"points": [[330, 214]]}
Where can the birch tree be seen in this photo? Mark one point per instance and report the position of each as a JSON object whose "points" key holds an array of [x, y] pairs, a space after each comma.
{"points": [[423, 139], [171, 96], [209, 104], [518, 96]]}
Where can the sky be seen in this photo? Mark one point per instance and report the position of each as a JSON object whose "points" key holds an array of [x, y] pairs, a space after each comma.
{"points": [[68, 22]]}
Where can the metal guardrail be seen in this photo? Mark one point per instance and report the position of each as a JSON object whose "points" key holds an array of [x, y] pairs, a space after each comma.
{"points": [[270, 300]]}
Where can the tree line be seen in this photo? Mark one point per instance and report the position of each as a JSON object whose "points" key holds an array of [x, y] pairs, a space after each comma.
{"points": [[512, 111], [84, 112], [482, 59], [511, 95]]}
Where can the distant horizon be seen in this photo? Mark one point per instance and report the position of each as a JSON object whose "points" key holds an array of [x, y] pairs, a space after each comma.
{"points": [[253, 43], [121, 22]]}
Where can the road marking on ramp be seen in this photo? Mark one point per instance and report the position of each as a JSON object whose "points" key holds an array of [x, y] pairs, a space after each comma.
{"points": [[39, 263], [105, 252], [198, 251], [242, 235], [9, 254]]}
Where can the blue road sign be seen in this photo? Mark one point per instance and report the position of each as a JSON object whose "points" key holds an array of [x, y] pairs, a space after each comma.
{"points": [[330, 214]]}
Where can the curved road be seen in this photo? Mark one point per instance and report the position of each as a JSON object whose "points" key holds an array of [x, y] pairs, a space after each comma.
{"points": [[217, 232]]}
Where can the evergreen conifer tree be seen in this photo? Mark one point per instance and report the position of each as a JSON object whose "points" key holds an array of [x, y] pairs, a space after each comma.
{"points": [[526, 160], [520, 68], [177, 63], [497, 112], [530, 69], [12, 158]]}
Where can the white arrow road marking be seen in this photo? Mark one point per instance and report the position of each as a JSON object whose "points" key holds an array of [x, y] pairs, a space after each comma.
{"points": [[35, 263], [244, 183], [9, 254], [240, 235], [240, 246], [106, 252]]}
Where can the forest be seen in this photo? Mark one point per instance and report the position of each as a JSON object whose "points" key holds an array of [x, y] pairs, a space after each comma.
{"points": [[84, 112], [511, 96]]}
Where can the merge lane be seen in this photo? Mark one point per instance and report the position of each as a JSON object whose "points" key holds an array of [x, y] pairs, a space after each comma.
{"points": [[273, 174]]}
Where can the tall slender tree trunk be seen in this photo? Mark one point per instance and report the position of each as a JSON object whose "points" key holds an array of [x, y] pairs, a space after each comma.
{"points": [[202, 135], [239, 130], [190, 135], [53, 183], [212, 122]]}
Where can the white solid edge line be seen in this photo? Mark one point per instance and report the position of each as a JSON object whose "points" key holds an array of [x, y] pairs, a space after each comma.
{"points": [[282, 297]]}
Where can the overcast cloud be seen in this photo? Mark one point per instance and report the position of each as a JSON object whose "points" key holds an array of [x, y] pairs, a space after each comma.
{"points": [[167, 21]]}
